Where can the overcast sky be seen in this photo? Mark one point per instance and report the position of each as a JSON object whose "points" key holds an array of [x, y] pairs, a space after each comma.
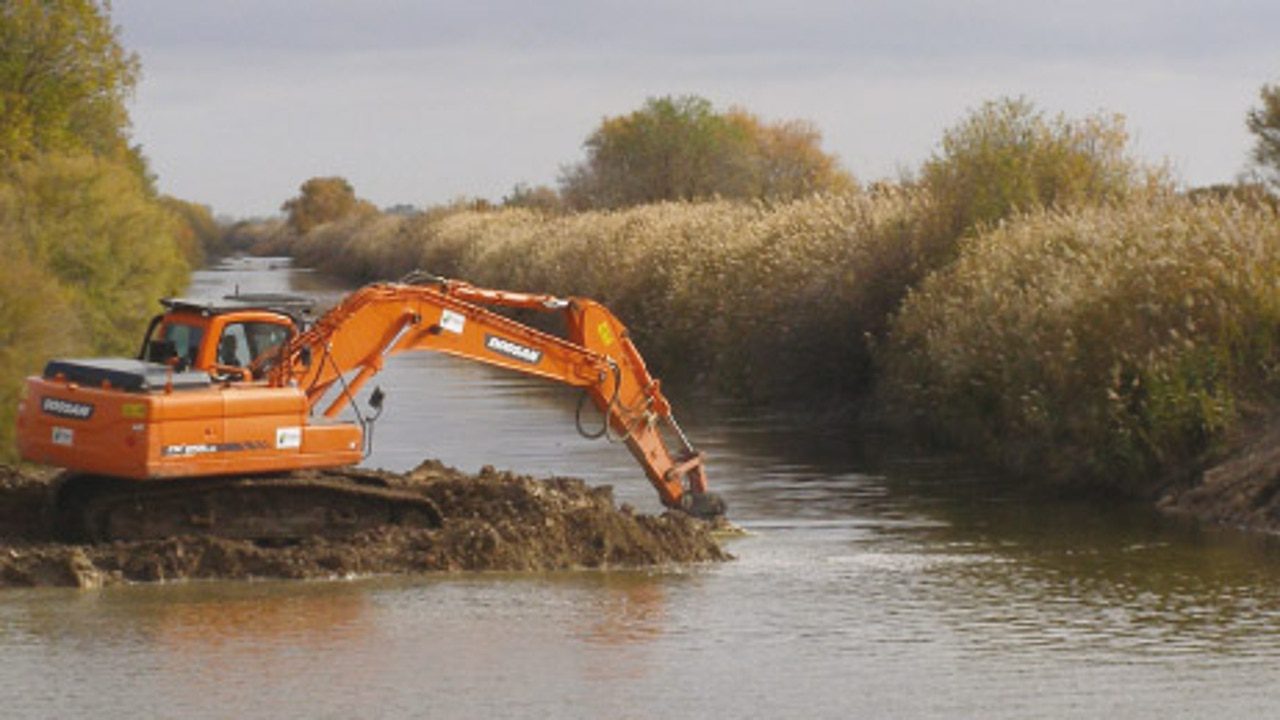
{"points": [[422, 102]]}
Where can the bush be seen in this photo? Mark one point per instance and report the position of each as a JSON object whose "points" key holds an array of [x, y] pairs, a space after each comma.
{"points": [[1105, 345], [1008, 157]]}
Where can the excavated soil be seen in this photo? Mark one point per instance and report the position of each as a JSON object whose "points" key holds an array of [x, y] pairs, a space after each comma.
{"points": [[492, 521]]}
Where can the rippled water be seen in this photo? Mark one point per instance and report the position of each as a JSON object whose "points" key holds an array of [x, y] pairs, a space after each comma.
{"points": [[871, 586]]}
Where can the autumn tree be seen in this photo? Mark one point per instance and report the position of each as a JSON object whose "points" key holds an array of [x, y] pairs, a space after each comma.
{"points": [[64, 79], [322, 200], [1008, 156], [680, 148], [788, 160], [1264, 123], [199, 235]]}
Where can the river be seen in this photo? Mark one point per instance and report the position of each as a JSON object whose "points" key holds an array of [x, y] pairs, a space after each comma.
{"points": [[871, 585]]}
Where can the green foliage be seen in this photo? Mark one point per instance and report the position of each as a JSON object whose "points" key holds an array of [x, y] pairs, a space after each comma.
{"points": [[322, 200], [198, 234], [36, 323], [1007, 157], [63, 81], [1264, 123], [91, 224], [1104, 345], [86, 253], [680, 148]]}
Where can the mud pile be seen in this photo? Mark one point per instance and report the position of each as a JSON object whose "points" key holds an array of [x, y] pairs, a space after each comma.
{"points": [[491, 521]]}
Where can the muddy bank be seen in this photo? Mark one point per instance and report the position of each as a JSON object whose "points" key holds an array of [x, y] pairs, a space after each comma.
{"points": [[1241, 492], [491, 521]]}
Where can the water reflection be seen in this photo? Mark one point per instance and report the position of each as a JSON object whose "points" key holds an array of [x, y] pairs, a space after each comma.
{"points": [[629, 609]]}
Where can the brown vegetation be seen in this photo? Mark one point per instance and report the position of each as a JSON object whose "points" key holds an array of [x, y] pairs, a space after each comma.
{"points": [[322, 200], [1108, 345], [761, 300]]}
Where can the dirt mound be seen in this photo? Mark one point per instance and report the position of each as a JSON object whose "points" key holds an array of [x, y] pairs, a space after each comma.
{"points": [[492, 521], [1242, 492]]}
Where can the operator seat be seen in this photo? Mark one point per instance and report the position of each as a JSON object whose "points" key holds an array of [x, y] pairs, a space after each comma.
{"points": [[227, 351]]}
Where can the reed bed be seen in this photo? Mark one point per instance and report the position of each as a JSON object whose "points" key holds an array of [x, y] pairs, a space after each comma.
{"points": [[768, 302], [1115, 346]]}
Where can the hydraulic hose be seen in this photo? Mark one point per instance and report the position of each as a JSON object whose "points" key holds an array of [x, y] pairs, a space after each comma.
{"points": [[613, 402]]}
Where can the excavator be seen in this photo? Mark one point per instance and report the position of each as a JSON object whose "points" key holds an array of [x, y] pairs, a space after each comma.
{"points": [[226, 421]]}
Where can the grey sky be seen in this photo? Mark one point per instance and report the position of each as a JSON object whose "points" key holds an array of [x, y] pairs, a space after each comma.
{"points": [[421, 102]]}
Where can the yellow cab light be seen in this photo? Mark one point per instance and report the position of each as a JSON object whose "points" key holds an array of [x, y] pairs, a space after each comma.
{"points": [[134, 411]]}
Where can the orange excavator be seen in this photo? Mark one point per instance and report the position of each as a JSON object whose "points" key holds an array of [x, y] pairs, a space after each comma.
{"points": [[224, 422]]}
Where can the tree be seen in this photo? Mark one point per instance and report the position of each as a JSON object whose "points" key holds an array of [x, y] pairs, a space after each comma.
{"points": [[1264, 123], [322, 200], [1007, 156], [198, 234], [789, 160], [64, 78], [680, 148], [94, 227]]}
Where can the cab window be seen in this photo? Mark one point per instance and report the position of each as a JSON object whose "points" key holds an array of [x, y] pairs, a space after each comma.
{"points": [[185, 341], [244, 342]]}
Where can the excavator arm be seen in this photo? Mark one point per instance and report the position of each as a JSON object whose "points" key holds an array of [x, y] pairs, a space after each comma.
{"points": [[456, 318]]}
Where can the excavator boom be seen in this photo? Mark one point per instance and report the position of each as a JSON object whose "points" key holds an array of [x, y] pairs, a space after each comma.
{"points": [[455, 318]]}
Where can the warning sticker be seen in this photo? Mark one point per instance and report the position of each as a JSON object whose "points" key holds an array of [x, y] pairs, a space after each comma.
{"points": [[453, 322], [605, 333], [288, 438]]}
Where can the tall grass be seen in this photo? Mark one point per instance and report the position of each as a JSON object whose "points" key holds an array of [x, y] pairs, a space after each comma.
{"points": [[1104, 345], [770, 302]]}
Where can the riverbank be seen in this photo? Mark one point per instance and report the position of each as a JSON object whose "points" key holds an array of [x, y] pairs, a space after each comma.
{"points": [[494, 521], [1241, 492]]}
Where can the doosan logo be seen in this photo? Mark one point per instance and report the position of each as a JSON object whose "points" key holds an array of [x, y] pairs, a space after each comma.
{"points": [[503, 346], [67, 408]]}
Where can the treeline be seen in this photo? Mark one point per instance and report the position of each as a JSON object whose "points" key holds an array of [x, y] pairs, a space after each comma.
{"points": [[86, 243], [1034, 295]]}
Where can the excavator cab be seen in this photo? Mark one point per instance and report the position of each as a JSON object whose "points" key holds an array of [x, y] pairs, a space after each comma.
{"points": [[224, 338]]}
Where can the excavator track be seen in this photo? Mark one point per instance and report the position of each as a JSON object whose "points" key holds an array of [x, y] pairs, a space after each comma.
{"points": [[267, 509]]}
